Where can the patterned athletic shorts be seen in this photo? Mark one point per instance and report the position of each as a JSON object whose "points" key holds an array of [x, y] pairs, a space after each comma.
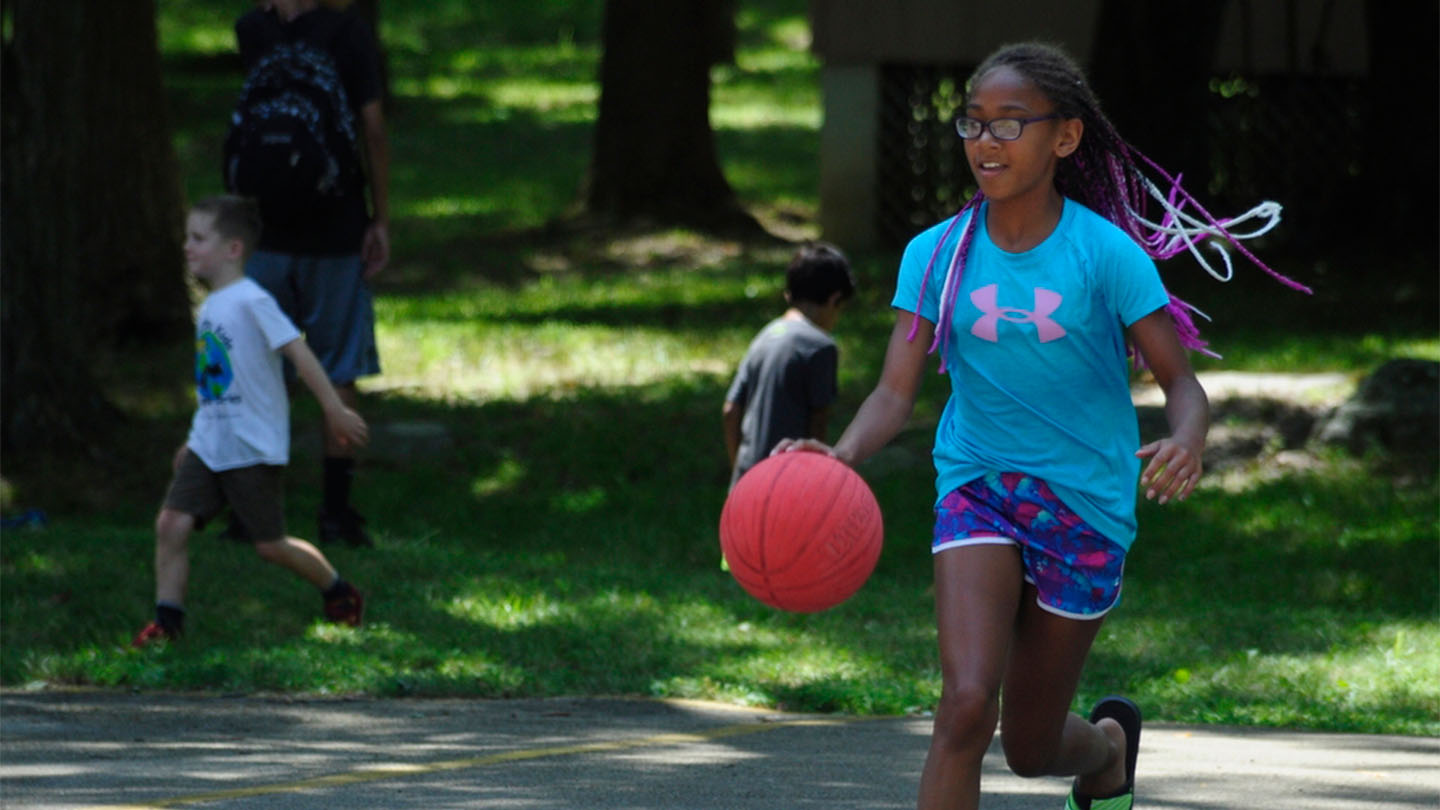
{"points": [[1076, 570]]}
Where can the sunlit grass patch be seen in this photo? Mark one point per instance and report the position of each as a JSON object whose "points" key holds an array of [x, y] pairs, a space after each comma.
{"points": [[557, 101], [562, 332], [499, 605], [496, 360], [1350, 674], [1311, 352], [197, 28]]}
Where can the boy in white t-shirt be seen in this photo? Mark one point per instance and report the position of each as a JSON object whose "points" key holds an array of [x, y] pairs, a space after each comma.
{"points": [[239, 441]]}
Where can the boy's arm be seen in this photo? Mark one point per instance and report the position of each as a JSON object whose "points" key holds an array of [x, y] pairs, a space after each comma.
{"points": [[346, 426], [820, 424], [823, 383], [731, 414]]}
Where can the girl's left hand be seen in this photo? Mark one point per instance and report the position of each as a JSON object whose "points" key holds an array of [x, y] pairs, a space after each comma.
{"points": [[1173, 471], [802, 445]]}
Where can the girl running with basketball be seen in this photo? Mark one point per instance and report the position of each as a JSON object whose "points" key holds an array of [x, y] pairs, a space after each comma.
{"points": [[1032, 296]]}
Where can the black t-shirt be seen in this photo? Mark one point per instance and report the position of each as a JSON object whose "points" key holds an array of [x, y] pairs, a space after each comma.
{"points": [[351, 43], [788, 373]]}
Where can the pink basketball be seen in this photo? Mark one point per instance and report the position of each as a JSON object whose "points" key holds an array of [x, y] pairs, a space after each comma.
{"points": [[801, 531]]}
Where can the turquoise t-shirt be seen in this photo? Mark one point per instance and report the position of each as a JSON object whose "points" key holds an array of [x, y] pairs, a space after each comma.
{"points": [[1038, 371]]}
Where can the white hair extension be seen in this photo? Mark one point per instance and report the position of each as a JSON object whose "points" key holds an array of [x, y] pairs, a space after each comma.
{"points": [[1183, 231]]}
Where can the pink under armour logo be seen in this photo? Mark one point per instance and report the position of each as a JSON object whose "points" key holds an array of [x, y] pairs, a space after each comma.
{"points": [[1046, 302]]}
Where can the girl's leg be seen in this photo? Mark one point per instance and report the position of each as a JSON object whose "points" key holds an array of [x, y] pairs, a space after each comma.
{"points": [[301, 557], [977, 589], [1042, 737]]}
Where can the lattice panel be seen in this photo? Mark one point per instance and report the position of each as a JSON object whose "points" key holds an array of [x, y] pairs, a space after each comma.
{"points": [[921, 176]]}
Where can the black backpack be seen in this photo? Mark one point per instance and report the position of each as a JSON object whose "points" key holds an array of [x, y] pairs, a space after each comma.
{"points": [[292, 143]]}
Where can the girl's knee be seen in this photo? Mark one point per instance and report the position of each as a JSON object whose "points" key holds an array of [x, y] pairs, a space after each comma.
{"points": [[1027, 757], [966, 716]]}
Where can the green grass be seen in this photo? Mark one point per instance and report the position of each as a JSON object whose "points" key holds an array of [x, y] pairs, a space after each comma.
{"points": [[547, 471]]}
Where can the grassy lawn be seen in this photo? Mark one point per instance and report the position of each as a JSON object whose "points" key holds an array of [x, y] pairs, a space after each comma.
{"points": [[547, 470]]}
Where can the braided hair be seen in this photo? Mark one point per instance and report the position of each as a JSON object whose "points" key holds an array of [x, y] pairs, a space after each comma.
{"points": [[1106, 174]]}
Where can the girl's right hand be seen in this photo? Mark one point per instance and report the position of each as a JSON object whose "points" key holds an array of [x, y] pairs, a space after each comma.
{"points": [[803, 446]]}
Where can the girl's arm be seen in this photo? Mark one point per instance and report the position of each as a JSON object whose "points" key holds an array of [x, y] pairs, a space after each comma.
{"points": [[345, 425], [1175, 462], [886, 410]]}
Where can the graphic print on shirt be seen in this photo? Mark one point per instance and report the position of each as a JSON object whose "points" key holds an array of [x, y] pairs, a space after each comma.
{"points": [[986, 327], [213, 371]]}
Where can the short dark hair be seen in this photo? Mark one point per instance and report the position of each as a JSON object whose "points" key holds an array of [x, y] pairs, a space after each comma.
{"points": [[816, 272], [236, 217]]}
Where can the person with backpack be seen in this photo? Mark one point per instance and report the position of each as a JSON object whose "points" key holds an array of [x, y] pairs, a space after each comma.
{"points": [[306, 139]]}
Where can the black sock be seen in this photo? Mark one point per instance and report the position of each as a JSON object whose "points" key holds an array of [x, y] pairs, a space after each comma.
{"points": [[338, 589], [339, 472], [171, 618]]}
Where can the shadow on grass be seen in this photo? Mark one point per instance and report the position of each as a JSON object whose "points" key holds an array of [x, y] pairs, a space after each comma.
{"points": [[567, 545]]}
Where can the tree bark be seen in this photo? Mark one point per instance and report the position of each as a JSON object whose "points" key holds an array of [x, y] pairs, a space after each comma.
{"points": [[92, 213], [654, 154]]}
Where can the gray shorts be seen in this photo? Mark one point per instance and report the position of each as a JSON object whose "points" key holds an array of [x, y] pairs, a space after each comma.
{"points": [[255, 494], [327, 298]]}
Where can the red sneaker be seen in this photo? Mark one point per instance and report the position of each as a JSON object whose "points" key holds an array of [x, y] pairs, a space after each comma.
{"points": [[152, 633], [348, 608]]}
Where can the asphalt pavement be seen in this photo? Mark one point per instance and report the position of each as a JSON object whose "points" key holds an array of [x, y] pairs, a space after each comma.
{"points": [[88, 749]]}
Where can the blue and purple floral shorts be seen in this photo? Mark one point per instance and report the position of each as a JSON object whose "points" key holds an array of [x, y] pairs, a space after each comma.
{"points": [[1075, 569]]}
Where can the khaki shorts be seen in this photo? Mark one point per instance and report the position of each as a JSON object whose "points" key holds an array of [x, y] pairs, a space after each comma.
{"points": [[255, 494]]}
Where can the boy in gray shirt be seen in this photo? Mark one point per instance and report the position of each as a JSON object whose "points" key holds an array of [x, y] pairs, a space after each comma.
{"points": [[786, 384]]}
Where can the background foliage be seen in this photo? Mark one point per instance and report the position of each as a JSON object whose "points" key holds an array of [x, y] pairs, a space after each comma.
{"points": [[547, 470]]}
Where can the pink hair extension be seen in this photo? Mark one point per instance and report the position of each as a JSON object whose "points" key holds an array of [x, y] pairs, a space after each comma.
{"points": [[951, 291], [925, 279], [952, 279]]}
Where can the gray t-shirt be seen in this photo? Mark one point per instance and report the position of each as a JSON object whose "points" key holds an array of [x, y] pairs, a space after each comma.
{"points": [[787, 374]]}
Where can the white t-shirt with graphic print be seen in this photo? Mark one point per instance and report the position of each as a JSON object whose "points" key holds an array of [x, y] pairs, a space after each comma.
{"points": [[243, 417]]}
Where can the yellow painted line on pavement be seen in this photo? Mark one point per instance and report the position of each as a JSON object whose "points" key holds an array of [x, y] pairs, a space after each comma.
{"points": [[401, 769]]}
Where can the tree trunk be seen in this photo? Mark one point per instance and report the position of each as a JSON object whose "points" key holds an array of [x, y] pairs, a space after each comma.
{"points": [[92, 212], [655, 152]]}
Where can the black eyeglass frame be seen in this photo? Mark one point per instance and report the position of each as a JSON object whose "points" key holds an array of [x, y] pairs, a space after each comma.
{"points": [[990, 125]]}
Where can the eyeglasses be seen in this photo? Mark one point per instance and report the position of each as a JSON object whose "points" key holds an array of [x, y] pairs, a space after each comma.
{"points": [[1001, 129]]}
